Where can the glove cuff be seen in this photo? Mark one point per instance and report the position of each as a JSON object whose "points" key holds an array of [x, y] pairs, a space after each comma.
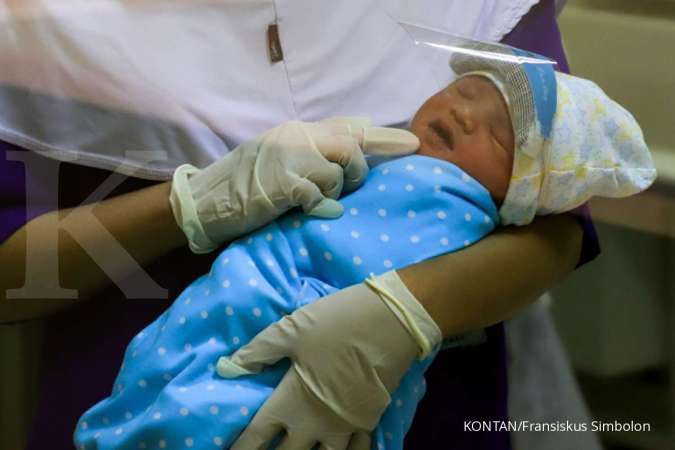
{"points": [[185, 211], [408, 310]]}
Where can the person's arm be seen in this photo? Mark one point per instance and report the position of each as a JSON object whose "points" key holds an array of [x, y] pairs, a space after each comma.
{"points": [[457, 292], [491, 280], [141, 221], [295, 164]]}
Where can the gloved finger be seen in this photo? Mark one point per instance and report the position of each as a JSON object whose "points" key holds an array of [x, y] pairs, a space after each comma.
{"points": [[268, 347], [345, 151], [310, 423], [374, 140], [286, 404], [307, 193], [388, 141], [338, 442], [356, 122], [360, 441], [297, 441], [327, 176], [327, 209], [258, 434]]}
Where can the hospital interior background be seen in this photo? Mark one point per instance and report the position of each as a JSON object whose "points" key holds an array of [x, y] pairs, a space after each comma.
{"points": [[616, 317]]}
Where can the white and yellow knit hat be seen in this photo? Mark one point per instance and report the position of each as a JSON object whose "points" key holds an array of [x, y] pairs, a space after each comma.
{"points": [[571, 140]]}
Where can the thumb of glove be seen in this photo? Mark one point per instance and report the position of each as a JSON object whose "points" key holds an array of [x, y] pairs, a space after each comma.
{"points": [[268, 347], [360, 441], [315, 203], [327, 209]]}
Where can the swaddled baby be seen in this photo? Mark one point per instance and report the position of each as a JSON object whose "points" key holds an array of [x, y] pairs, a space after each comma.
{"points": [[490, 150]]}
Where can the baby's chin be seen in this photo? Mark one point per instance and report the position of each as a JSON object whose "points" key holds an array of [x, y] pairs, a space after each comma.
{"points": [[426, 150], [432, 152]]}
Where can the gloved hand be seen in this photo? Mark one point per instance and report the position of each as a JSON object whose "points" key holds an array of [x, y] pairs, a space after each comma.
{"points": [[297, 163], [349, 351]]}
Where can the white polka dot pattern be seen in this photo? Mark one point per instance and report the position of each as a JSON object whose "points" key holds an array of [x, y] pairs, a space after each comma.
{"points": [[409, 210]]}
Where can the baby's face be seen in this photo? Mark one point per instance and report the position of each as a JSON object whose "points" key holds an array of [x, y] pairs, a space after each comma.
{"points": [[468, 124]]}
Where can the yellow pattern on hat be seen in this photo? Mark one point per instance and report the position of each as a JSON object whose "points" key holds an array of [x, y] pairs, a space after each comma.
{"points": [[595, 148]]}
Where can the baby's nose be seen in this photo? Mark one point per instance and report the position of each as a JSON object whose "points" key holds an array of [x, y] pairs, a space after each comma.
{"points": [[465, 119]]}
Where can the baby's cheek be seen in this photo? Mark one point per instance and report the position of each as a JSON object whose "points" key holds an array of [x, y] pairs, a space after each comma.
{"points": [[426, 150], [499, 180]]}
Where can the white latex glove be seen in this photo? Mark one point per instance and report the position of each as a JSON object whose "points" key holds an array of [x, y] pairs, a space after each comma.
{"points": [[349, 351], [297, 163]]}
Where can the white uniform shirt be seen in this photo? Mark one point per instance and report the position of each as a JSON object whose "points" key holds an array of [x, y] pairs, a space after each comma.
{"points": [[139, 70]]}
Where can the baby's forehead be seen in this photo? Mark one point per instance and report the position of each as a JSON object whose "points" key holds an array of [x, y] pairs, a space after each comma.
{"points": [[474, 81], [477, 89]]}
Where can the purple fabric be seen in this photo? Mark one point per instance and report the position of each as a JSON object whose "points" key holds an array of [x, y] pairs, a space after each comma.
{"points": [[13, 214], [84, 346]]}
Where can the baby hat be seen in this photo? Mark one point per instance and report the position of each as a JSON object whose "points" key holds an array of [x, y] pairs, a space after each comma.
{"points": [[571, 141]]}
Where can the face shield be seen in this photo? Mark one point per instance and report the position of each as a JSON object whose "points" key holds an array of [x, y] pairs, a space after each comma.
{"points": [[141, 87], [526, 80]]}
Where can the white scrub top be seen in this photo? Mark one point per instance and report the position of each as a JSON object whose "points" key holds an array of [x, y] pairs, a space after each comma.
{"points": [[102, 82]]}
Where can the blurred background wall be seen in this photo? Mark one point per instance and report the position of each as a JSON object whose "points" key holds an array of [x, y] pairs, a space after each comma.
{"points": [[616, 317]]}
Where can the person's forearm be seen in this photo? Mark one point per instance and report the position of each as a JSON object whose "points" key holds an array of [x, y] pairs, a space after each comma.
{"points": [[141, 223], [491, 280]]}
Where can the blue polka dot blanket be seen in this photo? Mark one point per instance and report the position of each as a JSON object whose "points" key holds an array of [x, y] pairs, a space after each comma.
{"points": [[167, 393]]}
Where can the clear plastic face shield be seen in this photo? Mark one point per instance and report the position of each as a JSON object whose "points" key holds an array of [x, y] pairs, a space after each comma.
{"points": [[452, 45], [142, 87], [525, 80]]}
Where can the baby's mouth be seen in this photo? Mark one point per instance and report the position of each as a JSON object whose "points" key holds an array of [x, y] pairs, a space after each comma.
{"points": [[439, 135]]}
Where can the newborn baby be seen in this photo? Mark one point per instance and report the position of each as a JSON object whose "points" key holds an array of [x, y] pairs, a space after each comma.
{"points": [[535, 158], [468, 124], [482, 159]]}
